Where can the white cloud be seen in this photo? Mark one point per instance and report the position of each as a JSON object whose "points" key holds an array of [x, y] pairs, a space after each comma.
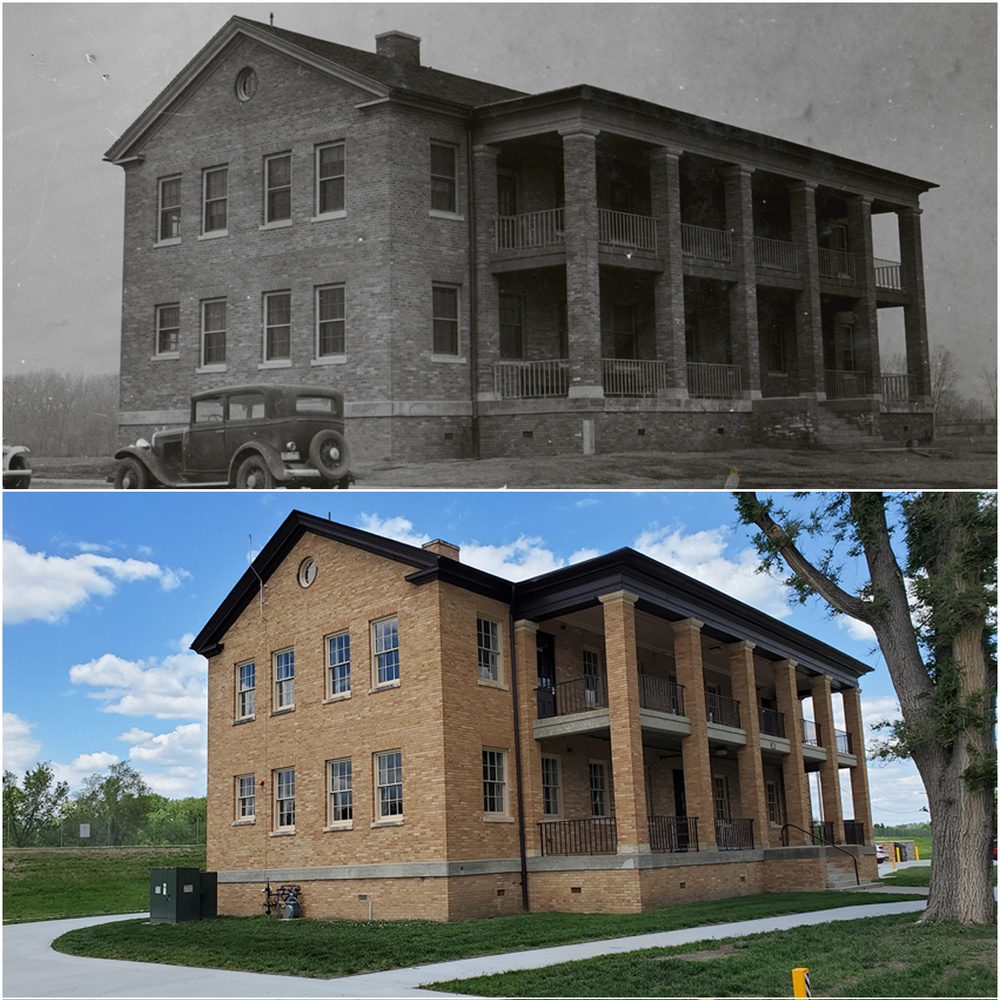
{"points": [[398, 528], [20, 748], [83, 766], [582, 555], [171, 688], [46, 588], [701, 555], [183, 746], [519, 560]]}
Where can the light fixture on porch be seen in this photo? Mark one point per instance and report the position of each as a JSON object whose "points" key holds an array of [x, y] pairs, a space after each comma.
{"points": [[720, 752]]}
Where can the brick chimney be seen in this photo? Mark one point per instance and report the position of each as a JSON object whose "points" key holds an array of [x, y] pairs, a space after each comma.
{"points": [[442, 548], [399, 46]]}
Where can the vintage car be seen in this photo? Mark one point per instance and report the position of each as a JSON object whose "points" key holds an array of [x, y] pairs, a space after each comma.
{"points": [[16, 470], [251, 437]]}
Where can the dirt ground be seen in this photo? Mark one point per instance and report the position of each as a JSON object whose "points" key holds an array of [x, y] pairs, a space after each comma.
{"points": [[945, 465]]}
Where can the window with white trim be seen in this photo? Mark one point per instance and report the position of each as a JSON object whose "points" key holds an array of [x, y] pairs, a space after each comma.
{"points": [[488, 646], [213, 332], [246, 690], [338, 664], [495, 782], [388, 785], [331, 321], [385, 651], [278, 188], [592, 692], [284, 679], [284, 799], [169, 210], [331, 178], [340, 802], [773, 792], [168, 328], [445, 319], [720, 796], [598, 789], [550, 787], [215, 200], [277, 326], [444, 177], [246, 797]]}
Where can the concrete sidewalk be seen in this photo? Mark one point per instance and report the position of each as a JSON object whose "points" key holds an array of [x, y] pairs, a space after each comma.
{"points": [[32, 969]]}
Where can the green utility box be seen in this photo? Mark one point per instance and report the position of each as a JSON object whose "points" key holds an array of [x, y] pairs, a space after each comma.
{"points": [[179, 894]]}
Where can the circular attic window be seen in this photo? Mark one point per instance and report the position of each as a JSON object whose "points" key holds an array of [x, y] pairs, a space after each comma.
{"points": [[246, 83], [307, 571]]}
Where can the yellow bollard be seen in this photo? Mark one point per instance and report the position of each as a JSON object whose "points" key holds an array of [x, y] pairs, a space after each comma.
{"points": [[800, 983], [916, 853]]}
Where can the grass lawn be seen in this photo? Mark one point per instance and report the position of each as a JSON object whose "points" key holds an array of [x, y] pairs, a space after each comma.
{"points": [[340, 948], [51, 883], [875, 957]]}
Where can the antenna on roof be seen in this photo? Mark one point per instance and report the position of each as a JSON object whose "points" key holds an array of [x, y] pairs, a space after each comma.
{"points": [[272, 19], [260, 580]]}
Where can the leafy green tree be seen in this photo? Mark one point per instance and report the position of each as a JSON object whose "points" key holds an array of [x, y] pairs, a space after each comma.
{"points": [[31, 806], [174, 821], [933, 611], [117, 803]]}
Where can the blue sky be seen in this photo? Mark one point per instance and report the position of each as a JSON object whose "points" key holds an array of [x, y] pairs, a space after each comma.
{"points": [[103, 592]]}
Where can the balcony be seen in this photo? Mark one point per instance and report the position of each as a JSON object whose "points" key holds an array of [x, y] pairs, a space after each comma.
{"points": [[722, 711], [595, 835], [533, 229], [586, 694], [810, 733], [897, 388], [844, 742], [845, 385], [734, 834], [699, 243], [660, 695], [622, 229], [632, 377], [837, 264], [772, 723], [709, 381], [673, 834], [888, 275], [776, 255], [531, 379]]}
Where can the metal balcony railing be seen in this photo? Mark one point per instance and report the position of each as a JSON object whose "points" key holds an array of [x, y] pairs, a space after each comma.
{"points": [[708, 381], [531, 379], [845, 385], [722, 710], [532, 229], [844, 742], [661, 695], [888, 274], [854, 832], [776, 255], [707, 244], [810, 733], [734, 834], [633, 377], [898, 388], [671, 834], [836, 264], [622, 229], [772, 723], [595, 835], [581, 694]]}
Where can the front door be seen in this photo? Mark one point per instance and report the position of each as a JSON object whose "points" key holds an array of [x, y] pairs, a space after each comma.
{"points": [[205, 441], [545, 650]]}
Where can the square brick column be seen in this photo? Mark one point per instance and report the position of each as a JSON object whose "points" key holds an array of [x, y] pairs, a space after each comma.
{"points": [[583, 273], [487, 331], [743, 296], [859, 238], [860, 795], [829, 772], [668, 289], [524, 643], [808, 317], [627, 759], [695, 757], [795, 782], [918, 361], [753, 797]]}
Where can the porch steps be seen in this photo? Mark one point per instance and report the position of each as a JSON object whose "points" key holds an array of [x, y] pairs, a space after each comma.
{"points": [[839, 878], [841, 432]]}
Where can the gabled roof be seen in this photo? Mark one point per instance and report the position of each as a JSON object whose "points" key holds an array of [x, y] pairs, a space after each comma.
{"points": [[379, 75], [661, 590]]}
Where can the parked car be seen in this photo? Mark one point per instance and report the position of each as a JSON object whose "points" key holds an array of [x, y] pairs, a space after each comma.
{"points": [[881, 854], [249, 437], [16, 470]]}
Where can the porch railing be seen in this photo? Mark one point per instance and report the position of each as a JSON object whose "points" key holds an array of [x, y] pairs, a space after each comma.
{"points": [[844, 742], [622, 229], [776, 255], [888, 274], [581, 694], [531, 379], [822, 831], [772, 723], [671, 834], [845, 385], [532, 229], [722, 710], [595, 835], [734, 834], [661, 695], [854, 832], [810, 733], [836, 264], [633, 377], [898, 388], [707, 244], [710, 381]]}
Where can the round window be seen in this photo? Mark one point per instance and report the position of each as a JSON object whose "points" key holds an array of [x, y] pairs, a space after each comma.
{"points": [[246, 84], [307, 571]]}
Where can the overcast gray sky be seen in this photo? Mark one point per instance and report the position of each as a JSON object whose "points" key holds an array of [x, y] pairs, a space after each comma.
{"points": [[908, 87]]}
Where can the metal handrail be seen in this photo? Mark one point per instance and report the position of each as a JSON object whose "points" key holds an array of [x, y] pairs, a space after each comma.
{"points": [[829, 843]]}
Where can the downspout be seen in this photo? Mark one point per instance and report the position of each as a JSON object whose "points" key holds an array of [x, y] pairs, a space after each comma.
{"points": [[517, 755], [473, 299]]}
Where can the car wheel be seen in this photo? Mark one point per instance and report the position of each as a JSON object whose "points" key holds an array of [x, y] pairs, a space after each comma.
{"points": [[131, 474], [254, 474], [17, 482], [329, 453]]}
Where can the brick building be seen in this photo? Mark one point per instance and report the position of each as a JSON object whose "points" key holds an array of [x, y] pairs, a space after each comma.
{"points": [[489, 272], [405, 735]]}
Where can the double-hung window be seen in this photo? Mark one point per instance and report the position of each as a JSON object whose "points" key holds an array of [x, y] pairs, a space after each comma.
{"points": [[511, 326], [444, 177], [169, 226], [331, 179], [488, 642], [215, 200], [331, 321], [284, 679], [277, 326], [550, 786], [598, 789], [338, 657], [278, 188], [284, 799], [246, 690], [341, 792], [246, 797], [592, 693], [495, 782], [388, 785], [445, 319], [385, 644], [168, 327], [213, 332]]}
